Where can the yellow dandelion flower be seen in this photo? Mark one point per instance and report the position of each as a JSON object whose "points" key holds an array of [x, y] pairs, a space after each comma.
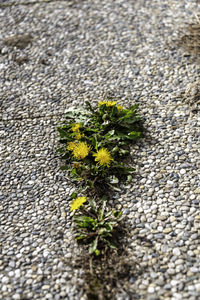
{"points": [[111, 103], [119, 107], [81, 150], [101, 103], [103, 157], [76, 203], [108, 103], [76, 127], [76, 165], [78, 136], [71, 146]]}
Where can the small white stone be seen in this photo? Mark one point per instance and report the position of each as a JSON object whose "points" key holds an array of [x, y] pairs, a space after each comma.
{"points": [[197, 286], [174, 282], [11, 274], [16, 297], [176, 251], [169, 182], [17, 273], [151, 289], [5, 279], [182, 171], [45, 253]]}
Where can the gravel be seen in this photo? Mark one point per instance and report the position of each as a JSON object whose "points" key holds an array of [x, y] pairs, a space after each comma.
{"points": [[59, 54]]}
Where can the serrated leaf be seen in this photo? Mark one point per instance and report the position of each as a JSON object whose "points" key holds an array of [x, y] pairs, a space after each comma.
{"points": [[108, 214], [93, 246], [117, 214], [84, 221], [93, 205], [101, 211], [134, 135], [81, 237]]}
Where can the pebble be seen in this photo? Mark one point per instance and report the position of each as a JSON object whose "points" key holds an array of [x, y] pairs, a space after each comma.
{"points": [[176, 251], [167, 230], [182, 171], [151, 289]]}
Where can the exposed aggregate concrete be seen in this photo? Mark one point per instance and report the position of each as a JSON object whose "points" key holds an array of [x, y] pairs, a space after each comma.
{"points": [[59, 54]]}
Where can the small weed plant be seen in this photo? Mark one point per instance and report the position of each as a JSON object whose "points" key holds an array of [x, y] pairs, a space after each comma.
{"points": [[95, 142]]}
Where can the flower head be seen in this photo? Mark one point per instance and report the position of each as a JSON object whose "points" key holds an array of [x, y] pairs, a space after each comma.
{"points": [[76, 127], [81, 150], [119, 107], [108, 103], [78, 135], [103, 157], [71, 146], [76, 203], [76, 165]]}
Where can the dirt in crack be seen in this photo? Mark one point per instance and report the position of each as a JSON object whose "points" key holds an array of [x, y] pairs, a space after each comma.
{"points": [[111, 274], [191, 40]]}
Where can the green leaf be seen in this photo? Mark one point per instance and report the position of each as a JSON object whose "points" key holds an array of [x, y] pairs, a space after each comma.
{"points": [[93, 205], [124, 152], [64, 168], [110, 244], [101, 211], [61, 150], [94, 141], [114, 180], [89, 106], [97, 252], [115, 149], [102, 231], [84, 221], [73, 195], [74, 172], [129, 178], [114, 111], [93, 246], [109, 134], [134, 135], [128, 170], [134, 107], [109, 227], [117, 214], [64, 134], [89, 183], [81, 237], [108, 214], [114, 187]]}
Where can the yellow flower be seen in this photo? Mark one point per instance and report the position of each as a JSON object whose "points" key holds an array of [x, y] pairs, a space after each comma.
{"points": [[78, 136], [119, 107], [108, 103], [111, 103], [103, 157], [76, 165], [101, 103], [76, 127], [81, 150], [76, 203], [71, 146]]}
